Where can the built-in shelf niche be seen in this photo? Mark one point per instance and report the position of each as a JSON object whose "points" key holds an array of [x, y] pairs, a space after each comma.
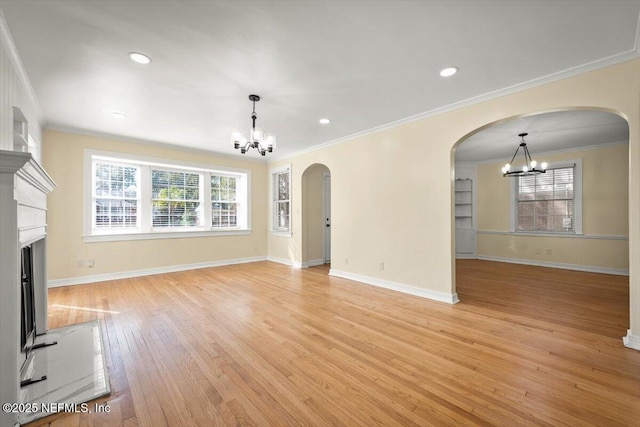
{"points": [[464, 212], [464, 203], [20, 131]]}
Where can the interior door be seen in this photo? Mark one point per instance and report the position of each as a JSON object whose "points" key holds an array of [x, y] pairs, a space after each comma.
{"points": [[327, 218]]}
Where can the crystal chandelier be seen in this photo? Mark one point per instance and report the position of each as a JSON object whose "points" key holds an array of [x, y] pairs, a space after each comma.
{"points": [[258, 140], [530, 165]]}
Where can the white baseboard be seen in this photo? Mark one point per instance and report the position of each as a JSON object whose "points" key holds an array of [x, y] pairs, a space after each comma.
{"points": [[312, 263], [411, 290], [466, 256], [631, 341], [285, 262], [280, 260], [577, 267], [147, 272]]}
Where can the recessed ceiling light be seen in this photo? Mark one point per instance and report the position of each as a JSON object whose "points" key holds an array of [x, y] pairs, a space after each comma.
{"points": [[448, 72], [324, 121], [115, 114], [140, 58]]}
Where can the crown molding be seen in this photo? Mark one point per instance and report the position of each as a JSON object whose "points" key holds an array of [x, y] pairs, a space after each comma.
{"points": [[540, 81], [157, 144], [544, 153], [637, 42], [14, 58]]}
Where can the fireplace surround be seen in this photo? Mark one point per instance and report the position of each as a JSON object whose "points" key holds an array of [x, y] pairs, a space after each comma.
{"points": [[24, 186], [37, 365]]}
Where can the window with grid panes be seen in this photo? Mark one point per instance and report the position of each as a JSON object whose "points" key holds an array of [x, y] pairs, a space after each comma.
{"points": [[546, 202], [281, 201], [224, 201], [131, 196], [115, 200], [175, 198]]}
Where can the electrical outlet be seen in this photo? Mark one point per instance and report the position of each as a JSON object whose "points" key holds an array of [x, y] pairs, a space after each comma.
{"points": [[90, 263], [537, 251], [381, 265], [548, 251], [346, 261]]}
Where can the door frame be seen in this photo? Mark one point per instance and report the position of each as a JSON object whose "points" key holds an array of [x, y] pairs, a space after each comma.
{"points": [[326, 211]]}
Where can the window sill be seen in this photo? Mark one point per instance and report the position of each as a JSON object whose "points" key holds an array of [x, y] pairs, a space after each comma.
{"points": [[546, 233], [280, 233], [566, 235], [160, 235]]}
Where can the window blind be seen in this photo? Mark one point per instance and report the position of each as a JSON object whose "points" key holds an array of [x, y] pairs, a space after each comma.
{"points": [[175, 198], [545, 202], [224, 201], [281, 202], [115, 196]]}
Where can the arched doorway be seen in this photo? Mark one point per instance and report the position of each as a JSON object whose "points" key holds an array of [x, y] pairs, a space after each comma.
{"points": [[579, 223], [316, 215]]}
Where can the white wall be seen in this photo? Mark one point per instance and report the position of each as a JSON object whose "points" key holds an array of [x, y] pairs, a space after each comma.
{"points": [[63, 158], [603, 246], [15, 91], [392, 190]]}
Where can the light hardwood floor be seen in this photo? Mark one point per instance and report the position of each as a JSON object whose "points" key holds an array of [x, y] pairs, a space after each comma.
{"points": [[264, 344]]}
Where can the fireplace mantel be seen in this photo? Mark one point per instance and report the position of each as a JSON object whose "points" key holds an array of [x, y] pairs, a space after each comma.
{"points": [[31, 184], [25, 166], [24, 186]]}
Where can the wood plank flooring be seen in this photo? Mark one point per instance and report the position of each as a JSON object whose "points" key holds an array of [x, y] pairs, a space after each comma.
{"points": [[264, 344]]}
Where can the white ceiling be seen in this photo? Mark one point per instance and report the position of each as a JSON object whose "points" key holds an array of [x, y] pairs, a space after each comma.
{"points": [[361, 63], [562, 130]]}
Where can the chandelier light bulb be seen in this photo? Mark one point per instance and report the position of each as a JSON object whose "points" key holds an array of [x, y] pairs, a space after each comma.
{"points": [[257, 134], [543, 165], [257, 139], [530, 165], [270, 140]]}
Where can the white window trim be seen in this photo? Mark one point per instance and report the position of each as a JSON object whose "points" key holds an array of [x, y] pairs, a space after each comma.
{"points": [[577, 199], [243, 211], [92, 205], [272, 231], [149, 192], [144, 219]]}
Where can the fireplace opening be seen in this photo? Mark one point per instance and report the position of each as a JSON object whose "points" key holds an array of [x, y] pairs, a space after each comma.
{"points": [[27, 305], [28, 327]]}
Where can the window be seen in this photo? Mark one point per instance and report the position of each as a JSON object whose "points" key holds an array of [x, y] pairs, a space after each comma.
{"points": [[115, 196], [549, 202], [281, 199], [132, 197], [224, 202], [176, 198]]}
